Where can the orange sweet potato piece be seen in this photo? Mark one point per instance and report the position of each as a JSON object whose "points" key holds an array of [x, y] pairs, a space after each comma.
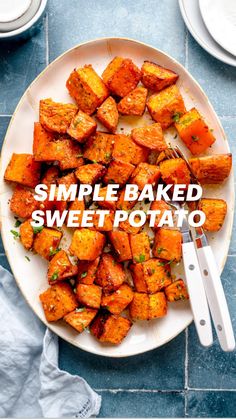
{"points": [[139, 306], [77, 206], [87, 244], [215, 211], [126, 150], [121, 244], [194, 132], [156, 77], [175, 171], [23, 169], [145, 173], [60, 267], [56, 117], [118, 172], [110, 274], [161, 206], [87, 88], [68, 153], [107, 225], [87, 271], [111, 205], [89, 295], [46, 242], [157, 305], [165, 106], [140, 247], [108, 114], [57, 301], [81, 127], [67, 180], [119, 300], [211, 169], [99, 148], [23, 203], [134, 102], [122, 204], [27, 234], [167, 244], [125, 226], [176, 291], [90, 173], [151, 276], [121, 76], [50, 176], [81, 318], [110, 328], [150, 136]]}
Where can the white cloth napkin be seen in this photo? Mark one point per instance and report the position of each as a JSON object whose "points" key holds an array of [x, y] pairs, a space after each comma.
{"points": [[31, 384]]}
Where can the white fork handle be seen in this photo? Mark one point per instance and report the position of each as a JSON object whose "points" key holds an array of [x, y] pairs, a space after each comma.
{"points": [[197, 294], [216, 298]]}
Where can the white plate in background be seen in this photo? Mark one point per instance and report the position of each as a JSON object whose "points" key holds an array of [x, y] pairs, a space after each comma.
{"points": [[191, 14], [220, 19], [31, 276]]}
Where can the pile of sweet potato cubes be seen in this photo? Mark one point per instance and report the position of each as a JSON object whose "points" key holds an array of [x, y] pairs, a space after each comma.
{"points": [[68, 149]]}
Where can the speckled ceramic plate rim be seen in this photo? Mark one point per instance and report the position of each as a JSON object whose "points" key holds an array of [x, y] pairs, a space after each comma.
{"points": [[229, 231]]}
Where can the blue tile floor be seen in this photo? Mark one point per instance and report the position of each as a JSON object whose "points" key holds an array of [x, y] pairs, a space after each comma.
{"points": [[181, 378]]}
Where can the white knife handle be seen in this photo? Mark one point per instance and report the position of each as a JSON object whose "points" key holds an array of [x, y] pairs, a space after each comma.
{"points": [[197, 294], [216, 298]]}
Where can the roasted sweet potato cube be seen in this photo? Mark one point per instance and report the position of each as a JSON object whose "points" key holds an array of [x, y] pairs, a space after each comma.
{"points": [[167, 244], [211, 169], [126, 226], [145, 173], [157, 305], [23, 203], [56, 117], [139, 306], [151, 276], [121, 76], [140, 247], [57, 301], [109, 328], [176, 291], [126, 150], [27, 234], [77, 206], [99, 148], [81, 318], [124, 205], [107, 225], [215, 211], [111, 205], [119, 300], [175, 171], [46, 242], [194, 132], [134, 102], [156, 77], [89, 295], [87, 88], [67, 180], [118, 172], [150, 136], [50, 176], [121, 244], [43, 144], [60, 267], [161, 206], [108, 114], [166, 106], [68, 154], [110, 274], [90, 173], [87, 271], [87, 244], [23, 169], [81, 127]]}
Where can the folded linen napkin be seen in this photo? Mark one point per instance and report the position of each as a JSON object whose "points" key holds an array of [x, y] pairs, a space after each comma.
{"points": [[31, 384]]}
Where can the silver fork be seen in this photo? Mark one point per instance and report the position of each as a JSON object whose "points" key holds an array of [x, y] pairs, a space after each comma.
{"points": [[193, 276], [212, 282]]}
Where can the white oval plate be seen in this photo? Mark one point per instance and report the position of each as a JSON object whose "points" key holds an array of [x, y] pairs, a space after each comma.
{"points": [[220, 19], [191, 14], [31, 276]]}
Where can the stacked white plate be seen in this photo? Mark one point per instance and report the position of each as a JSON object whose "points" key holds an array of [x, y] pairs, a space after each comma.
{"points": [[213, 24]]}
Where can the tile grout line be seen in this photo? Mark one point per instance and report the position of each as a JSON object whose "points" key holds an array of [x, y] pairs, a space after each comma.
{"points": [[142, 390], [186, 374], [46, 40]]}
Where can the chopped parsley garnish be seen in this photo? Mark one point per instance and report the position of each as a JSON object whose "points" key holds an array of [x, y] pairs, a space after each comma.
{"points": [[165, 263], [176, 116], [15, 234], [140, 259], [84, 274], [27, 258], [160, 249], [17, 223], [195, 138], [107, 156], [54, 276], [37, 229], [53, 251]]}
